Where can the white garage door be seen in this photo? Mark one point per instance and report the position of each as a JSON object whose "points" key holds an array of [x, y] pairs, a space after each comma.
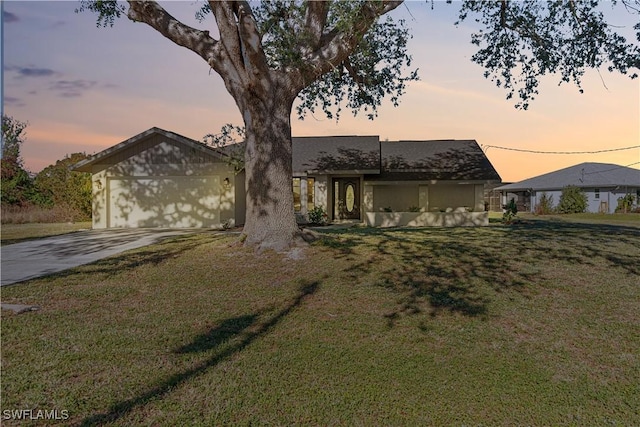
{"points": [[164, 202]]}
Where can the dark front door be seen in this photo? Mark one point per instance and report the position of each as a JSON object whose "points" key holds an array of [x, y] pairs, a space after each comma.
{"points": [[346, 197]]}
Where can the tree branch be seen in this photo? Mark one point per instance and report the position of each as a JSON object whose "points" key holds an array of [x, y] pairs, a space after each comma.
{"points": [[335, 46], [360, 81], [198, 41], [255, 59], [315, 21], [229, 35]]}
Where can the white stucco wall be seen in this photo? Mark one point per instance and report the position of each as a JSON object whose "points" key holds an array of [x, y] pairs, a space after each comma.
{"points": [[159, 183], [606, 200]]}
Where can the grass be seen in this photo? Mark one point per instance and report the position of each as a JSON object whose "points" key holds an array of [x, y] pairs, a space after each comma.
{"points": [[531, 324], [14, 233]]}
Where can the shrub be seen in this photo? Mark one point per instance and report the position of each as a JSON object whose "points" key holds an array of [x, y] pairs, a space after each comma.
{"points": [[318, 216], [510, 212], [625, 203], [572, 200], [414, 209], [545, 206]]}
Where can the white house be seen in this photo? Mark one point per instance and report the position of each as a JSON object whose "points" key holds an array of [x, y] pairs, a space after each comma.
{"points": [[603, 184]]}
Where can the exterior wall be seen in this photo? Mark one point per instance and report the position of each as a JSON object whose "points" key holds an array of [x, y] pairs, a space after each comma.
{"points": [[460, 218], [451, 196], [606, 199], [440, 205], [160, 183], [603, 201], [398, 198]]}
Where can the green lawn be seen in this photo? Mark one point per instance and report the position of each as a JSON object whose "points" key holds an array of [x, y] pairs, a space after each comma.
{"points": [[14, 233], [531, 324]]}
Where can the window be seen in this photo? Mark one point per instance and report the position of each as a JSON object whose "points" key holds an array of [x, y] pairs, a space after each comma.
{"points": [[310, 194], [596, 193], [297, 206]]}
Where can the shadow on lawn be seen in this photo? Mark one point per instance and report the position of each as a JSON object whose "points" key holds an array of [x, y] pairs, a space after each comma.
{"points": [[460, 269], [245, 329]]}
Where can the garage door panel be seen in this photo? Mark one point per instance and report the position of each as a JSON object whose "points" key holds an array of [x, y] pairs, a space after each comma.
{"points": [[164, 202]]}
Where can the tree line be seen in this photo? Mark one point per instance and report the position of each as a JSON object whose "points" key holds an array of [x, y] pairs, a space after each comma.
{"points": [[56, 189]]}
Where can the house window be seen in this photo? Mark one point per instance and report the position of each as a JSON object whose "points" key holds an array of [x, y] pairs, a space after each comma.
{"points": [[310, 194], [596, 193], [297, 206]]}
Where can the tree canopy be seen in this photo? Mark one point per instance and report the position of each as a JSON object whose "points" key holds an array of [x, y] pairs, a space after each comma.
{"points": [[16, 182], [334, 54]]}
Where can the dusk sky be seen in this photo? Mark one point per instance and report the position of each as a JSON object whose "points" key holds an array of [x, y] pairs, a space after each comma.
{"points": [[83, 88]]}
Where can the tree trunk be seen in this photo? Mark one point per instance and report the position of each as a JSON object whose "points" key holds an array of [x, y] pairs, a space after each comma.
{"points": [[270, 221]]}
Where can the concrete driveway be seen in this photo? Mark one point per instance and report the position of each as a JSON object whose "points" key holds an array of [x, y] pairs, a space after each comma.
{"points": [[36, 258]]}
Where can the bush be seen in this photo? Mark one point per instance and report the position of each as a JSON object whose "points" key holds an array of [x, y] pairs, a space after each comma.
{"points": [[572, 200], [510, 212], [625, 203], [317, 216], [545, 206]]}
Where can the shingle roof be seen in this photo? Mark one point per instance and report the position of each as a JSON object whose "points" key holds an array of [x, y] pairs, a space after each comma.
{"points": [[84, 166], [336, 154], [585, 175], [441, 160]]}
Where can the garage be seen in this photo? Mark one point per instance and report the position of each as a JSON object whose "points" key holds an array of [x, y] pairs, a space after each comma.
{"points": [[163, 179], [164, 202]]}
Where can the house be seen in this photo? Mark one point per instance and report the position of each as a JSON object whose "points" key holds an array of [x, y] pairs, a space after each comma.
{"points": [[162, 179], [603, 184]]}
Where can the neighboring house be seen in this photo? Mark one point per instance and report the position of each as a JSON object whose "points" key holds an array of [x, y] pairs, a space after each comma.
{"points": [[603, 184], [162, 179]]}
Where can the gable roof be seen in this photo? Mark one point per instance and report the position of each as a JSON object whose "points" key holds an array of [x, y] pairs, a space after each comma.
{"points": [[85, 165], [336, 154], [584, 175], [441, 160]]}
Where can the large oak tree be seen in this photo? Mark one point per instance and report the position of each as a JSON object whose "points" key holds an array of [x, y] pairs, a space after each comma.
{"points": [[271, 53]]}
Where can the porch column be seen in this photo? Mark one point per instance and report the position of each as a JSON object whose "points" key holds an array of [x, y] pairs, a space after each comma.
{"points": [[423, 198], [478, 205], [367, 196], [303, 195]]}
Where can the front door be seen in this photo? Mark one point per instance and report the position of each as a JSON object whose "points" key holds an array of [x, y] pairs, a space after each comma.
{"points": [[346, 197]]}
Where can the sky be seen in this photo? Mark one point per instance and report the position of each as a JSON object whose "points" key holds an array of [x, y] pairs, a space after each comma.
{"points": [[84, 89]]}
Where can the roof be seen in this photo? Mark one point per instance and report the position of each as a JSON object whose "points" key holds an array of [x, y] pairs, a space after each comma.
{"points": [[85, 165], [336, 154], [441, 160], [584, 175]]}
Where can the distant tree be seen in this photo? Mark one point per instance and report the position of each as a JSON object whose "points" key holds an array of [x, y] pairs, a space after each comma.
{"points": [[16, 184], [336, 53], [56, 185], [572, 200]]}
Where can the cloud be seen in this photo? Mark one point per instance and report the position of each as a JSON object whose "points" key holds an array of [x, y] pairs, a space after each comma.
{"points": [[8, 17], [72, 88], [12, 101], [32, 71]]}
